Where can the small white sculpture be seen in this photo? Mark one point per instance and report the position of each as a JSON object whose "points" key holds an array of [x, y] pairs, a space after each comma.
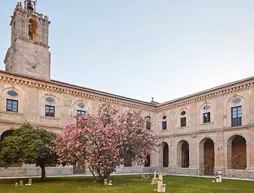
{"points": [[21, 183], [220, 176], [30, 182], [154, 180], [161, 187], [105, 182], [110, 183], [16, 184]]}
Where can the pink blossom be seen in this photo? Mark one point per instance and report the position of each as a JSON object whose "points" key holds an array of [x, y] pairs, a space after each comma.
{"points": [[101, 140]]}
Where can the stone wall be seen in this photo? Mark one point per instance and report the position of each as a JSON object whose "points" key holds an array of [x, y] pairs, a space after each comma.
{"points": [[34, 171]]}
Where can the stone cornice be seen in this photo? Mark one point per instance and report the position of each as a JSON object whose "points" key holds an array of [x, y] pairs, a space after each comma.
{"points": [[61, 87], [208, 94]]}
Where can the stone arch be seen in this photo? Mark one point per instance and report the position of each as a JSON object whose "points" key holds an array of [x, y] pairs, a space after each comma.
{"points": [[6, 133], [183, 154], [165, 154], [16, 88], [237, 152], [206, 156], [33, 30]]}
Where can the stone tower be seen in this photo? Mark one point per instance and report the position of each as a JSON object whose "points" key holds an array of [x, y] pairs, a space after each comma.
{"points": [[29, 51]]}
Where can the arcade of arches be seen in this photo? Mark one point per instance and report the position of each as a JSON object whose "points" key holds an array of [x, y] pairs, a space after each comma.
{"points": [[236, 154]]}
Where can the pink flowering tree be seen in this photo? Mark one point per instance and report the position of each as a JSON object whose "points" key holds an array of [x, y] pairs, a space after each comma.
{"points": [[136, 142], [100, 140]]}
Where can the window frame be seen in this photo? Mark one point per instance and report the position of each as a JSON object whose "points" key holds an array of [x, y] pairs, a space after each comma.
{"points": [[181, 123], [54, 110], [236, 121], [77, 112], [148, 125], [12, 101], [164, 125], [208, 118]]}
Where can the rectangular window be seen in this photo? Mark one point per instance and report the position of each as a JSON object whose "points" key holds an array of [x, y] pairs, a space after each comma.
{"points": [[12, 105], [206, 118], [148, 125], [183, 121], [49, 111], [80, 113], [164, 125], [236, 116], [148, 161]]}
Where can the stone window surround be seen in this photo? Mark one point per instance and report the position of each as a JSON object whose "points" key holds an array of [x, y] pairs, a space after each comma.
{"points": [[74, 107], [179, 116], [202, 111], [43, 104], [228, 105], [163, 120], [20, 98]]}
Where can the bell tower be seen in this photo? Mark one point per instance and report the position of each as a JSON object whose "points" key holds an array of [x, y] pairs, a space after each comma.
{"points": [[29, 51]]}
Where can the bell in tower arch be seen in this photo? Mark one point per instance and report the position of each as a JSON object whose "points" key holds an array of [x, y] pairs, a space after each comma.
{"points": [[30, 5]]}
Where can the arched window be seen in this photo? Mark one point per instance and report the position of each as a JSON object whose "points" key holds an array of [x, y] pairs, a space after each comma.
{"points": [[206, 114], [236, 112], [164, 122], [148, 123], [81, 109], [50, 108], [12, 102], [165, 155], [183, 119], [33, 30]]}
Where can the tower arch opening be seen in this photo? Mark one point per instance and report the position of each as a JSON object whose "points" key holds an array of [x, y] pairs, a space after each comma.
{"points": [[33, 30]]}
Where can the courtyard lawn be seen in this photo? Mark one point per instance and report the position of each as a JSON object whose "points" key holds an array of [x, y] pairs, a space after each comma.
{"points": [[124, 184]]}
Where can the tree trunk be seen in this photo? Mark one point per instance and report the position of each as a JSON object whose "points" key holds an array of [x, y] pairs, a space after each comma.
{"points": [[43, 172], [92, 173]]}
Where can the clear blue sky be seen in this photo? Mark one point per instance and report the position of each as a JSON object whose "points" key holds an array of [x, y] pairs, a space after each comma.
{"points": [[144, 48]]}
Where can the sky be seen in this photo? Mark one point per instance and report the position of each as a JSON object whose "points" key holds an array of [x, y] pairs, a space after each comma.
{"points": [[145, 48]]}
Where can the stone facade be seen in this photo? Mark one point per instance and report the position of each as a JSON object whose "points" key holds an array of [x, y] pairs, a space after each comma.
{"points": [[197, 134]]}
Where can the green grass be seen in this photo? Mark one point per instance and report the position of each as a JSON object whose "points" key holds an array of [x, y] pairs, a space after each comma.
{"points": [[127, 184]]}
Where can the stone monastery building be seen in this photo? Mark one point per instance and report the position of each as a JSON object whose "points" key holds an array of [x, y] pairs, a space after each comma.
{"points": [[198, 134]]}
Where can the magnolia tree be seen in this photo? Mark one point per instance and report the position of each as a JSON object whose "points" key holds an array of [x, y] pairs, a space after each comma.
{"points": [[102, 140], [135, 141]]}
